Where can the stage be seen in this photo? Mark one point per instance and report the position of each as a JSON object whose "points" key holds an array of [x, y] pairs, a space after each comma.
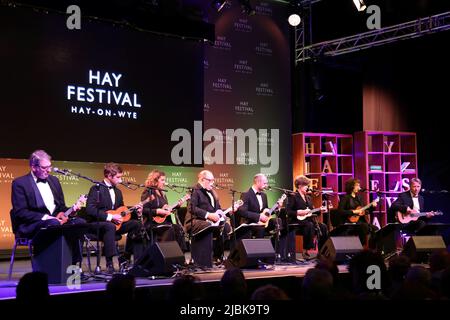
{"points": [[286, 276]]}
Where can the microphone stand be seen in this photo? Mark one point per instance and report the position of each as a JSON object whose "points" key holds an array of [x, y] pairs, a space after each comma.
{"points": [[233, 218], [97, 201], [288, 193], [277, 232], [233, 211]]}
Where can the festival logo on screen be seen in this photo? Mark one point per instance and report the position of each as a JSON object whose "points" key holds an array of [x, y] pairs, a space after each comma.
{"points": [[244, 109], [128, 177], [272, 180], [242, 66], [264, 89], [68, 180], [247, 159], [265, 139], [102, 96], [224, 179], [222, 43], [5, 229], [264, 8], [222, 85], [6, 176], [242, 25], [176, 177], [263, 49]]}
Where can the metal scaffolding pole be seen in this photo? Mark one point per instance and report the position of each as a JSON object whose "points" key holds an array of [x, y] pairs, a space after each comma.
{"points": [[403, 31]]}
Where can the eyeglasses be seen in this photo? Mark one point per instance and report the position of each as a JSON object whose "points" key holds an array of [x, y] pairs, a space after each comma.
{"points": [[46, 168], [210, 180]]}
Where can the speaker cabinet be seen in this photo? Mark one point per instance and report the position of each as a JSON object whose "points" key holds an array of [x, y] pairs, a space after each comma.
{"points": [[159, 259], [341, 249], [420, 248], [250, 253]]}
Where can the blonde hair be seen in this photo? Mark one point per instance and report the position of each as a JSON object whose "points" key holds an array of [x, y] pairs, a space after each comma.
{"points": [[153, 177]]}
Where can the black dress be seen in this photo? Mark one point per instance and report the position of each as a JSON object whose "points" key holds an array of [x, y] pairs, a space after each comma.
{"points": [[346, 206], [167, 230]]}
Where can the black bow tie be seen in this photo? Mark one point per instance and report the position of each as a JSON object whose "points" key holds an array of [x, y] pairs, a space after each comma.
{"points": [[111, 187], [41, 180], [258, 193]]}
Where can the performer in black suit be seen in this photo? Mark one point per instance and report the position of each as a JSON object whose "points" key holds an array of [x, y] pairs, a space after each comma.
{"points": [[37, 198], [348, 206], [102, 199], [410, 202], [203, 207], [254, 209], [300, 204], [157, 207]]}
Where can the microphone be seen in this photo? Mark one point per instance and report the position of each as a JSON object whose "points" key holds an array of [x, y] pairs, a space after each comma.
{"points": [[62, 171], [284, 190], [126, 185], [218, 187], [368, 190], [174, 186], [433, 191]]}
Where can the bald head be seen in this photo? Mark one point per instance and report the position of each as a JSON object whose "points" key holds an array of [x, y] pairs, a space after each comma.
{"points": [[260, 182], [206, 179]]}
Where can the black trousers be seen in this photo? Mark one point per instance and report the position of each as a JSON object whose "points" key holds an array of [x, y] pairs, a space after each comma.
{"points": [[167, 232], [29, 231], [108, 231], [414, 226], [364, 230], [203, 248], [308, 229]]}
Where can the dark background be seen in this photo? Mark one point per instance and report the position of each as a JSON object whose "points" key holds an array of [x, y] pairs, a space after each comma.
{"points": [[39, 57]]}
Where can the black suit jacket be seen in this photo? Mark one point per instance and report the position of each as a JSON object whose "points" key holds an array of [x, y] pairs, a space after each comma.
{"points": [[402, 203], [199, 205], [96, 209], [295, 203], [27, 204], [249, 212]]}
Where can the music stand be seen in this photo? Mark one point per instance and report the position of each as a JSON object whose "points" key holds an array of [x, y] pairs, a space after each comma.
{"points": [[386, 238], [52, 253], [245, 227], [345, 229], [203, 257]]}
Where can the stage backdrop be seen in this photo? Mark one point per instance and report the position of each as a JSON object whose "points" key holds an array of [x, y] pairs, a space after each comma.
{"points": [[244, 81]]}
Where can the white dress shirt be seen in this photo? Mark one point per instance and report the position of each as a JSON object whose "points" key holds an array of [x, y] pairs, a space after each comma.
{"points": [[416, 204], [47, 196], [112, 194], [259, 197]]}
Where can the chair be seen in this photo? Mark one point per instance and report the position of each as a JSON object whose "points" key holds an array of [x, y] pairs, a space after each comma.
{"points": [[18, 241], [91, 248], [156, 229]]}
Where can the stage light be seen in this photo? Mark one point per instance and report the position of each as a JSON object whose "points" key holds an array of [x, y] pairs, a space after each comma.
{"points": [[218, 5], [294, 20], [247, 7], [360, 5]]}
